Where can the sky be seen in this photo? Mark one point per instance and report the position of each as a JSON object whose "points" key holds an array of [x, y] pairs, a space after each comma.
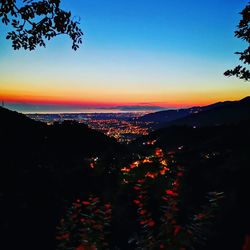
{"points": [[161, 53]]}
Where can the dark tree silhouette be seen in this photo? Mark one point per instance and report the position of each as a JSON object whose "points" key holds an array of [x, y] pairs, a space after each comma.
{"points": [[34, 22], [243, 32]]}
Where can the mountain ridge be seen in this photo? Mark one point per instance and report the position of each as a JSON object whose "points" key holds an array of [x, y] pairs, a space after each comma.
{"points": [[185, 116]]}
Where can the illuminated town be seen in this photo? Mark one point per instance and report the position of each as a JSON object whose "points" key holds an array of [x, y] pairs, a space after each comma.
{"points": [[124, 127]]}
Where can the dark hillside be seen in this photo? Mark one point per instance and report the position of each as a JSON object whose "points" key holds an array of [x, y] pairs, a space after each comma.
{"points": [[215, 159], [42, 168], [214, 114], [230, 113]]}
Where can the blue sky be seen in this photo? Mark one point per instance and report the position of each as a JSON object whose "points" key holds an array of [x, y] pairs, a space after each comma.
{"points": [[167, 53]]}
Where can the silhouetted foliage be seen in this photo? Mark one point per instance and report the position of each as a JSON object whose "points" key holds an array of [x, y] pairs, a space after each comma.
{"points": [[86, 225], [34, 22], [153, 185], [243, 32]]}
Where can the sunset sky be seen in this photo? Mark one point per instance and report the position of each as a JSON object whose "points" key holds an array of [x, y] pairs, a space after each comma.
{"points": [[135, 52]]}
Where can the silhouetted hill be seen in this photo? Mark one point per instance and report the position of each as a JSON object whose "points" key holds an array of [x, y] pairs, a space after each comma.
{"points": [[11, 119], [167, 115], [173, 114], [42, 169], [214, 114], [26, 137], [229, 113]]}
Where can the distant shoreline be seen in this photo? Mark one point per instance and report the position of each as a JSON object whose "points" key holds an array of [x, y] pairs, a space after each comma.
{"points": [[87, 112]]}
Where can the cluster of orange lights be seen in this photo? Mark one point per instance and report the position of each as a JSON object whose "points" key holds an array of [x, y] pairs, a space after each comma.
{"points": [[147, 160], [150, 142], [159, 156], [131, 166], [159, 152]]}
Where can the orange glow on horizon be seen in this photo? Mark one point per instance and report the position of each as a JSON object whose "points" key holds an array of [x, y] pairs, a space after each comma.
{"points": [[173, 101]]}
